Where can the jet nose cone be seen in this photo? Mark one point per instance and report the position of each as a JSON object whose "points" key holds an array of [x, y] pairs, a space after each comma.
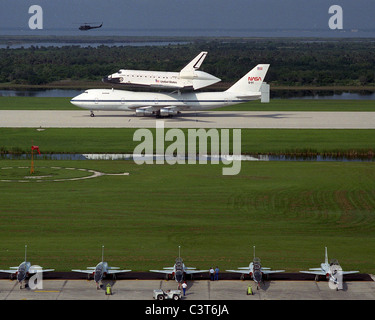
{"points": [[97, 276], [77, 100], [179, 276], [110, 79]]}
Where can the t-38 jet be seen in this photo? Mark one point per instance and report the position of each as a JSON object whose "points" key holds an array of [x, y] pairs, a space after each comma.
{"points": [[255, 270], [24, 270], [179, 270], [332, 271], [100, 271]]}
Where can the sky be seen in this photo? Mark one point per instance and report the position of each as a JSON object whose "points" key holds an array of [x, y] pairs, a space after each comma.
{"points": [[188, 14]]}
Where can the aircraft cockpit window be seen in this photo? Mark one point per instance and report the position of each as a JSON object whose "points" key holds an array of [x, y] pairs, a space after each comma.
{"points": [[334, 262]]}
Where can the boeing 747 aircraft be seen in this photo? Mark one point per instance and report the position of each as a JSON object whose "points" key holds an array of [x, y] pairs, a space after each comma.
{"points": [[170, 104]]}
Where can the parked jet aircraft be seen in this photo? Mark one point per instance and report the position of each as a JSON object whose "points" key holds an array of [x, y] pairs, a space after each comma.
{"points": [[24, 270], [169, 104], [101, 270], [255, 270], [179, 270], [189, 78], [329, 270]]}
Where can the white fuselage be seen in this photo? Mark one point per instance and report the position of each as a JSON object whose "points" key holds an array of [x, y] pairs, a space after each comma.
{"points": [[112, 100], [192, 80]]}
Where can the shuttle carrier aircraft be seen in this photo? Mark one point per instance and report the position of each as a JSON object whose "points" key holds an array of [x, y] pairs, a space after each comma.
{"points": [[170, 104]]}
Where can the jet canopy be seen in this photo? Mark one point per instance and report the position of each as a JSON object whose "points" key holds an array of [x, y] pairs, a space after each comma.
{"points": [[334, 262], [179, 263]]}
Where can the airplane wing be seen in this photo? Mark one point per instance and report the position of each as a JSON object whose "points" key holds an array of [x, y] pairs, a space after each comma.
{"points": [[319, 273], [271, 271], [117, 271], [9, 271], [83, 271], [163, 271], [243, 271], [36, 270], [195, 271], [349, 272]]}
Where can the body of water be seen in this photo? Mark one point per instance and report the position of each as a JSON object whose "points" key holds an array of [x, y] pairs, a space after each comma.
{"points": [[154, 157], [27, 45], [193, 32], [276, 94]]}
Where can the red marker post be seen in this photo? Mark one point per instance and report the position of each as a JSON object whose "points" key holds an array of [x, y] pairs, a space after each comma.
{"points": [[32, 157]]}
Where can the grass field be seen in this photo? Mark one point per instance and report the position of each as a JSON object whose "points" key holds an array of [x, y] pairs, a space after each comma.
{"points": [[43, 103], [253, 141], [289, 210]]}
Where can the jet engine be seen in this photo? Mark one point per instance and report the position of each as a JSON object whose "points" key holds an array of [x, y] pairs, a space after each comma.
{"points": [[144, 112], [166, 112]]}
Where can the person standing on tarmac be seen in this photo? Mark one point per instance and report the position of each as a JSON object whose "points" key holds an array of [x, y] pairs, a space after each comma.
{"points": [[216, 273], [212, 273], [184, 286]]}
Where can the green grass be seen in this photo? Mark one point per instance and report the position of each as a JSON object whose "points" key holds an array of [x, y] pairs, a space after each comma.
{"points": [[263, 141], [288, 210], [44, 103], [304, 105], [36, 103]]}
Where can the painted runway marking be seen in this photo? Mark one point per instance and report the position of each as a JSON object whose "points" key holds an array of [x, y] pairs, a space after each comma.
{"points": [[94, 174]]}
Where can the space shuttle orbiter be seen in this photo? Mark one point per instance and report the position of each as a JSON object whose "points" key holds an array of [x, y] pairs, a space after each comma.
{"points": [[189, 78]]}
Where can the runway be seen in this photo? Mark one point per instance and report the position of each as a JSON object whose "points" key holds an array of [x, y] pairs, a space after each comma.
{"points": [[140, 285], [204, 119], [201, 290]]}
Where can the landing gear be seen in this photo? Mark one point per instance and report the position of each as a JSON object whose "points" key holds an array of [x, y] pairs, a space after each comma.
{"points": [[92, 114]]}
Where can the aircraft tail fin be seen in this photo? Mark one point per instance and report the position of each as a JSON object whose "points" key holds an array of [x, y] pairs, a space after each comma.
{"points": [[250, 82], [326, 256], [195, 63]]}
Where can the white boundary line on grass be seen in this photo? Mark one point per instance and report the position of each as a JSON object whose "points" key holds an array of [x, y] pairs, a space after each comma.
{"points": [[94, 174]]}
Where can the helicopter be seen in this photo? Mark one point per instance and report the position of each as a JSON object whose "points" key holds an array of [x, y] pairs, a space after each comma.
{"points": [[86, 26]]}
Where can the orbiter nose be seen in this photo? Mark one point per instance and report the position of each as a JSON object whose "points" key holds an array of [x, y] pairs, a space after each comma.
{"points": [[110, 79]]}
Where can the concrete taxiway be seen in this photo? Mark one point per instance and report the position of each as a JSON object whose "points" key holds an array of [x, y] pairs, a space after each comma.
{"points": [[204, 119], [196, 290]]}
